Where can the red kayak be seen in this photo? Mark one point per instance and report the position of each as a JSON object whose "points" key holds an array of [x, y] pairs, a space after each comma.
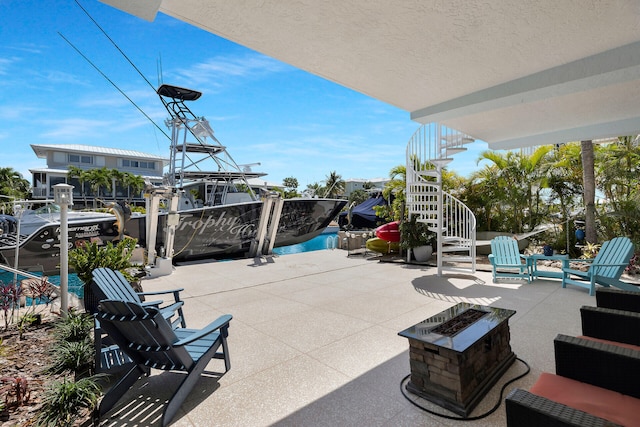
{"points": [[389, 232]]}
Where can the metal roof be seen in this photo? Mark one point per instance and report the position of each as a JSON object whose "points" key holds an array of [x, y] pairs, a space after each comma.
{"points": [[510, 72], [41, 151]]}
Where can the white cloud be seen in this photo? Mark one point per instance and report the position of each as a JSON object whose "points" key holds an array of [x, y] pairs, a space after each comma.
{"points": [[26, 47], [231, 69], [76, 128], [14, 112]]}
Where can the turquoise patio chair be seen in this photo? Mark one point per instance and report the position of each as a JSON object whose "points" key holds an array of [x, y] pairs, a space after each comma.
{"points": [[507, 261], [605, 269]]}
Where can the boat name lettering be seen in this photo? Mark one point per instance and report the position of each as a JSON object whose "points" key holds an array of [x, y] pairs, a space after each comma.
{"points": [[84, 231], [219, 224], [90, 234]]}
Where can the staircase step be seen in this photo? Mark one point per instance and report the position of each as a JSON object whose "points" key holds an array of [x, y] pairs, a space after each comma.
{"points": [[455, 150], [426, 219], [430, 172], [457, 259], [441, 162], [456, 139], [457, 269], [455, 239], [456, 248], [431, 221]]}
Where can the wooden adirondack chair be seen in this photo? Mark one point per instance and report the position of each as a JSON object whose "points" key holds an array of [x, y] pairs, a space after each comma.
{"points": [[506, 259], [110, 284], [150, 342], [605, 269]]}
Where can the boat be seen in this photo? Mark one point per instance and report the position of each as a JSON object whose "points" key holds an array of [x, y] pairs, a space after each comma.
{"points": [[362, 216], [36, 234], [209, 213], [32, 219]]}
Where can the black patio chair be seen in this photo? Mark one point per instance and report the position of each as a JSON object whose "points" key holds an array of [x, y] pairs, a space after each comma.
{"points": [[150, 341]]}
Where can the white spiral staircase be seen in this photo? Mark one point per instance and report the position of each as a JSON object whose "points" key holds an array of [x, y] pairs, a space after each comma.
{"points": [[428, 151]]}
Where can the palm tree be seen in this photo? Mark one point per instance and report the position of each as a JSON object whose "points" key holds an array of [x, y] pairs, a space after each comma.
{"points": [[314, 189], [135, 184], [564, 176], [521, 177], [82, 176], [617, 168], [97, 179], [116, 177], [484, 196], [334, 185], [12, 183], [394, 193]]}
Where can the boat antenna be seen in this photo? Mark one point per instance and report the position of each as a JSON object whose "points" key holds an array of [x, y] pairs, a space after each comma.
{"points": [[115, 45], [114, 85], [160, 78]]}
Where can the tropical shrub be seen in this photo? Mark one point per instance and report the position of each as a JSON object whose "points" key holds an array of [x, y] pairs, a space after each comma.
{"points": [[414, 234], [73, 349], [90, 256], [64, 399]]}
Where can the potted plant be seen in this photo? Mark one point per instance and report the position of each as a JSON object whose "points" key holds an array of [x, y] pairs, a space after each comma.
{"points": [[90, 256], [415, 235]]}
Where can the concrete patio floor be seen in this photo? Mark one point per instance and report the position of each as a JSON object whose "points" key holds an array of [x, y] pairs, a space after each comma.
{"points": [[314, 340]]}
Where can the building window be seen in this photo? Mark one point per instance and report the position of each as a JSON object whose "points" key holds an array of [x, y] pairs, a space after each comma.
{"points": [[78, 159], [138, 164]]}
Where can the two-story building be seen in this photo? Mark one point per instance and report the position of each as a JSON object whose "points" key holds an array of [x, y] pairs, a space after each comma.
{"points": [[60, 157], [353, 184]]}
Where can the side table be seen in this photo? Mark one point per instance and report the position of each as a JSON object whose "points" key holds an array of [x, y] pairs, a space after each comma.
{"points": [[533, 265]]}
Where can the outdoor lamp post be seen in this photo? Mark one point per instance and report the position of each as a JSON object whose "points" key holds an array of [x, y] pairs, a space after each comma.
{"points": [[63, 196]]}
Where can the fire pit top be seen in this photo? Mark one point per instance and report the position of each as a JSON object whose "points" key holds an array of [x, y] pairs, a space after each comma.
{"points": [[458, 327]]}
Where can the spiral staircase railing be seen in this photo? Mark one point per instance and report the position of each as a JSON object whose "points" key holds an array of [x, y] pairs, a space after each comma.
{"points": [[428, 151]]}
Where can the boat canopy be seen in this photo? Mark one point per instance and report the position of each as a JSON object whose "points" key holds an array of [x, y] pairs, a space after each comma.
{"points": [[363, 215]]}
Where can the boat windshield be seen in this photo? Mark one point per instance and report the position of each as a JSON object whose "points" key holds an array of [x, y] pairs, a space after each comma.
{"points": [[47, 209]]}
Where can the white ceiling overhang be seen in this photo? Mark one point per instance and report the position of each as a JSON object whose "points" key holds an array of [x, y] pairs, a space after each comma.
{"points": [[511, 73]]}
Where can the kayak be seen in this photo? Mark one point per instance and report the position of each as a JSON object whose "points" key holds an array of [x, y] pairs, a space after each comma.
{"points": [[389, 231], [382, 246]]}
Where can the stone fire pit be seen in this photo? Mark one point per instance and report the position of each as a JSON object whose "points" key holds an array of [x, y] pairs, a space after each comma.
{"points": [[457, 355]]}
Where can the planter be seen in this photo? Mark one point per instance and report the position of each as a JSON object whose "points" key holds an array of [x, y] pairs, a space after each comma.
{"points": [[422, 253], [91, 298]]}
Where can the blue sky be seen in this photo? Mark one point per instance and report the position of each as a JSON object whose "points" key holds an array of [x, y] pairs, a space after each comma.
{"points": [[292, 122]]}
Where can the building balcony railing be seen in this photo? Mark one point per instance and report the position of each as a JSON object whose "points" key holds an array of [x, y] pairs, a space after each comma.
{"points": [[39, 192]]}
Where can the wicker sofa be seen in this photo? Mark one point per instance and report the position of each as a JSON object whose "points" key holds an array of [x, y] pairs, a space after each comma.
{"points": [[589, 374], [618, 299], [609, 324]]}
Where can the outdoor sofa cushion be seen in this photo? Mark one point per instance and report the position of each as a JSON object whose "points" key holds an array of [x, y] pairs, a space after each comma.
{"points": [[610, 405], [619, 344]]}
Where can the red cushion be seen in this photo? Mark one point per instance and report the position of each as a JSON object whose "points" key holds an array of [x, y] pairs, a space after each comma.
{"points": [[619, 344], [603, 403]]}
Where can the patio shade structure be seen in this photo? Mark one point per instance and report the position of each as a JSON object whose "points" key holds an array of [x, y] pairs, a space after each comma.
{"points": [[510, 73]]}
